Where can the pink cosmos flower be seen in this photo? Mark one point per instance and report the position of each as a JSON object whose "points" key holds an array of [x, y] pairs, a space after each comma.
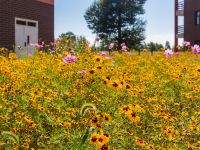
{"points": [[177, 53], [196, 49], [111, 46], [186, 43], [107, 57], [129, 53], [81, 72], [169, 52], [103, 54], [123, 44], [123, 47], [30, 73], [52, 43], [38, 46], [69, 59]]}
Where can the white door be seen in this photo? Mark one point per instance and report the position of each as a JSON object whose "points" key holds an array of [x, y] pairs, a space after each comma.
{"points": [[20, 38], [26, 33], [31, 35]]}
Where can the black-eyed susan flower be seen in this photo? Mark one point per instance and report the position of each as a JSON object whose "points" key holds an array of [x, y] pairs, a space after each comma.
{"points": [[94, 139], [25, 145], [139, 142], [103, 147]]}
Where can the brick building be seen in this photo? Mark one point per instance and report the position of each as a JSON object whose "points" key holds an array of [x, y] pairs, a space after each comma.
{"points": [[23, 22], [187, 21]]}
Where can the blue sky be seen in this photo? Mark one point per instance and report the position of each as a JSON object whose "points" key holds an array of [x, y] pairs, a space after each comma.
{"points": [[159, 16]]}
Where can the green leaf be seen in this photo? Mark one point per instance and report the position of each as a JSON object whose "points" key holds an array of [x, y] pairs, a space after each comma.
{"points": [[85, 137], [10, 136], [86, 107]]}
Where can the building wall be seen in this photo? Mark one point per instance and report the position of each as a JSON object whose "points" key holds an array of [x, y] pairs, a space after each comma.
{"points": [[191, 31], [28, 9]]}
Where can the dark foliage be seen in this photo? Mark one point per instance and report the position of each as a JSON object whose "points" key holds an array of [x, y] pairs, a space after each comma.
{"points": [[117, 19]]}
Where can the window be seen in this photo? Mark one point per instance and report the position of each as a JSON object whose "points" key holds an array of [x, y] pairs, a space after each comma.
{"points": [[32, 24], [20, 22], [197, 17], [26, 23], [197, 42]]}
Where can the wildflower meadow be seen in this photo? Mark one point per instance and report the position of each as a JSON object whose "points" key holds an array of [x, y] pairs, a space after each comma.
{"points": [[96, 100]]}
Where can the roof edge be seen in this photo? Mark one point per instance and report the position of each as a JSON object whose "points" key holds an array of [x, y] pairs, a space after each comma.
{"points": [[51, 2]]}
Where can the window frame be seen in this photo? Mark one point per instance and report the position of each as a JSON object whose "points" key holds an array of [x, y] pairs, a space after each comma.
{"points": [[197, 17]]}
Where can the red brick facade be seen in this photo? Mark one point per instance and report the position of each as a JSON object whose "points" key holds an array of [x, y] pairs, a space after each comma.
{"points": [[27, 9], [189, 30]]}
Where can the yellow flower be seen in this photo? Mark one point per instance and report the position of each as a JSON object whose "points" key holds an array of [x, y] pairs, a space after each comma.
{"points": [[12, 56], [103, 139], [149, 147], [134, 118], [97, 59], [94, 139], [104, 147], [138, 108], [65, 124], [106, 117], [25, 145], [27, 140], [140, 142]]}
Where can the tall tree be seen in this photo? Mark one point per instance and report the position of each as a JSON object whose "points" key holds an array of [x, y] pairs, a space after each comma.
{"points": [[118, 19]]}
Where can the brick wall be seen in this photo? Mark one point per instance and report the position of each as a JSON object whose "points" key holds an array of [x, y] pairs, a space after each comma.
{"points": [[28, 9]]}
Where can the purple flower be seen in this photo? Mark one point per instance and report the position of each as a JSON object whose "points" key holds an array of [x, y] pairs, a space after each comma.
{"points": [[169, 52], [196, 49], [69, 59], [81, 72], [111, 46]]}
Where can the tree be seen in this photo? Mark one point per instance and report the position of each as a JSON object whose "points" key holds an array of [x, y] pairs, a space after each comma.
{"points": [[69, 34], [72, 43], [167, 45], [118, 20], [154, 46]]}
